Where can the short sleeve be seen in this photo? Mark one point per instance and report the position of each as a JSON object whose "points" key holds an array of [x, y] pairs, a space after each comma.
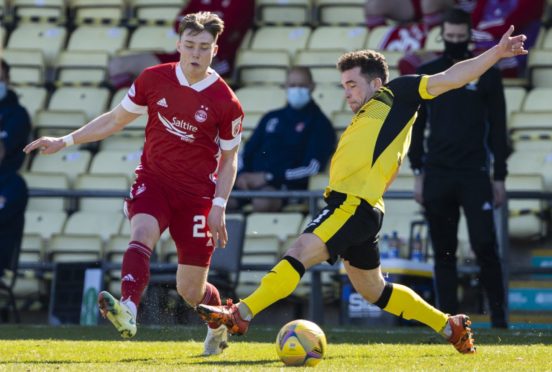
{"points": [[135, 100], [410, 88], [231, 127]]}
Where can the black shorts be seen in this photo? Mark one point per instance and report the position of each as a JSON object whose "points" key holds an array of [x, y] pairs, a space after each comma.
{"points": [[349, 226]]}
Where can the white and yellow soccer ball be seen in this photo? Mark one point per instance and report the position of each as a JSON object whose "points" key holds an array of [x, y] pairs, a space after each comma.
{"points": [[301, 343]]}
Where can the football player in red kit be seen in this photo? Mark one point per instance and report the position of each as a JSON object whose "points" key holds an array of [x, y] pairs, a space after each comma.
{"points": [[186, 172]]}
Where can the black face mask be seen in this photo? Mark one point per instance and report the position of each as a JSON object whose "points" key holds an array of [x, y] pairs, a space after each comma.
{"points": [[456, 51]]}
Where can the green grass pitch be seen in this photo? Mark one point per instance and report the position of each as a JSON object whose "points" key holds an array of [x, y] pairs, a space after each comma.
{"points": [[73, 348]]}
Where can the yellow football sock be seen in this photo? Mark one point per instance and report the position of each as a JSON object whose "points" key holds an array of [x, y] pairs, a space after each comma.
{"points": [[408, 304], [278, 283]]}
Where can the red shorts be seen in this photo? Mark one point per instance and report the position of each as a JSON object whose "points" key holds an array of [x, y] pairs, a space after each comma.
{"points": [[184, 215]]}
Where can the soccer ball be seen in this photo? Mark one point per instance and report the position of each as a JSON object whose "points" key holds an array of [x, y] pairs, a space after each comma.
{"points": [[301, 343]]}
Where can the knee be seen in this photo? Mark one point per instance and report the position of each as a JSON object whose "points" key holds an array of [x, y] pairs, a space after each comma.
{"points": [[192, 296]]}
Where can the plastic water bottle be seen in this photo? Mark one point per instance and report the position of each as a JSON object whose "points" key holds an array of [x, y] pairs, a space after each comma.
{"points": [[394, 245], [417, 251], [384, 246]]}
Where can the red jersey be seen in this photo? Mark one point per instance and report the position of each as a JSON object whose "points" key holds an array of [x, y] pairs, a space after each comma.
{"points": [[187, 126]]}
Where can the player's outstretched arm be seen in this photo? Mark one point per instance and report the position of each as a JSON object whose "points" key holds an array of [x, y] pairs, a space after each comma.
{"points": [[99, 128], [463, 72]]}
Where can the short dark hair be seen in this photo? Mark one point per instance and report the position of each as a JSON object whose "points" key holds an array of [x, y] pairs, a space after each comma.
{"points": [[5, 70], [302, 69], [201, 21], [458, 17], [372, 64]]}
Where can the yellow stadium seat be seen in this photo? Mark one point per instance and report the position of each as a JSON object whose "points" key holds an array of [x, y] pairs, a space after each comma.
{"points": [[262, 66], [343, 12], [49, 181], [283, 12], [45, 37], [403, 182], [26, 66], [32, 98], [321, 63], [104, 224], [83, 10], [101, 182], [335, 37], [70, 162], [341, 119], [319, 181], [261, 245], [74, 248], [523, 162], [286, 38], [44, 223], [547, 40], [514, 99], [53, 10], [90, 38], [50, 122], [125, 141], [434, 41], [116, 248], [116, 162], [92, 100], [155, 11], [153, 38], [280, 225], [3, 35], [376, 37], [137, 126], [540, 67], [251, 120], [330, 98], [82, 67], [261, 98], [32, 248], [539, 99], [531, 121], [524, 222]]}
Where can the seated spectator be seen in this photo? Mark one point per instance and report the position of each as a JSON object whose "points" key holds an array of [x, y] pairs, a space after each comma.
{"points": [[15, 128], [238, 18], [490, 19], [288, 146]]}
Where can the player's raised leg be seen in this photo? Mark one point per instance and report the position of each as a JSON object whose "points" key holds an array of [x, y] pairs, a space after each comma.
{"points": [[277, 284], [134, 276], [400, 300]]}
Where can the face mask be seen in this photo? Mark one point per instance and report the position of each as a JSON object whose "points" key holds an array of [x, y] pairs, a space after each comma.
{"points": [[3, 90], [298, 97], [456, 51]]}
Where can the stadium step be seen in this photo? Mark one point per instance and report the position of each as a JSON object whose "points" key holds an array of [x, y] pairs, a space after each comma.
{"points": [[533, 295], [518, 320]]}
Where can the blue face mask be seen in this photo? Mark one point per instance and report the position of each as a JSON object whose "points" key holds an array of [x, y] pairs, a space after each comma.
{"points": [[298, 97], [3, 90]]}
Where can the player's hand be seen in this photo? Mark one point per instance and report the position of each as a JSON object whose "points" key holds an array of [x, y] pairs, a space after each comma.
{"points": [[499, 193], [216, 220], [46, 145], [511, 46], [419, 189]]}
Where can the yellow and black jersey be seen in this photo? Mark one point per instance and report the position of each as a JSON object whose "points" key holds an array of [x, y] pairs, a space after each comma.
{"points": [[376, 141]]}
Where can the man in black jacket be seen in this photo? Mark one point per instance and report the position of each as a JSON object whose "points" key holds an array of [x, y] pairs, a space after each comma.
{"points": [[15, 127], [467, 129]]}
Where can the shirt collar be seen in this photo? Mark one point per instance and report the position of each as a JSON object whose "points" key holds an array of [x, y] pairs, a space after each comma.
{"points": [[200, 85]]}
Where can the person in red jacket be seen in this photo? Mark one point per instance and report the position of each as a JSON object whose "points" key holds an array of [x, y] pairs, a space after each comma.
{"points": [[238, 18]]}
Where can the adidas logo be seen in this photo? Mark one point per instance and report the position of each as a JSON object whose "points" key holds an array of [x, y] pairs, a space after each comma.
{"points": [[162, 102], [487, 206], [128, 278]]}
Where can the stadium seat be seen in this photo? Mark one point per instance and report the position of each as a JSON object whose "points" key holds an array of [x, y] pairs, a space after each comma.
{"points": [[335, 37], [376, 37], [262, 66], [319, 181], [43, 10], [74, 248], [49, 181], [261, 98], [104, 224], [330, 98], [32, 98], [283, 12], [125, 141], [286, 38], [547, 40], [105, 39], [538, 99], [434, 41], [531, 142], [58, 122], [153, 38], [540, 67], [70, 162], [116, 162], [97, 10], [45, 37], [81, 67], [92, 100], [26, 66], [514, 99], [32, 248], [280, 225], [523, 162], [262, 245], [534, 121], [403, 182], [101, 182], [3, 35], [321, 63], [44, 223], [339, 12], [341, 119], [116, 248], [524, 220], [137, 126], [250, 121], [165, 10]]}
